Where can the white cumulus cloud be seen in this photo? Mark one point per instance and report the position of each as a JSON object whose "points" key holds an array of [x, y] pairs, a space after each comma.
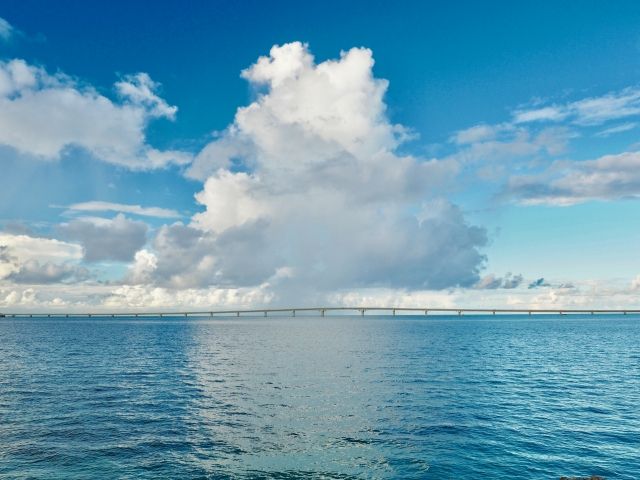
{"points": [[42, 115], [143, 266], [29, 259]]}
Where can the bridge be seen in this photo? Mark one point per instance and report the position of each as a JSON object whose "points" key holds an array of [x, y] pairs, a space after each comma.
{"points": [[322, 311]]}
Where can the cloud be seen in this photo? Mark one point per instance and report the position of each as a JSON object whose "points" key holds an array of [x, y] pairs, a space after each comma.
{"points": [[588, 111], [143, 297], [623, 127], [508, 143], [117, 239], [487, 152], [44, 116], [610, 177], [540, 282], [18, 266], [305, 192], [6, 30], [144, 264], [491, 282], [34, 272], [535, 135], [98, 206], [548, 114], [475, 134], [139, 89], [91, 296], [539, 133], [231, 201], [186, 257], [183, 258], [25, 247], [5, 256], [25, 257]]}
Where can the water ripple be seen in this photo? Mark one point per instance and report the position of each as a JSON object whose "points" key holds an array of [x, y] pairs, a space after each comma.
{"points": [[320, 398]]}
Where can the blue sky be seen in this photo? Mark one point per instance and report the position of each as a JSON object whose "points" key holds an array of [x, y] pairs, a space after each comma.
{"points": [[133, 164]]}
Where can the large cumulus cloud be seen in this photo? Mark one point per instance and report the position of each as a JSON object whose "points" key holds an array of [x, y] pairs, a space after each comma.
{"points": [[306, 191]]}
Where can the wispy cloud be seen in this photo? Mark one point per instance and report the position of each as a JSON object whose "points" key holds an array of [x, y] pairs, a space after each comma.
{"points": [[543, 114], [624, 127], [586, 112], [492, 282], [478, 133], [610, 177], [491, 144], [99, 206], [6, 30]]}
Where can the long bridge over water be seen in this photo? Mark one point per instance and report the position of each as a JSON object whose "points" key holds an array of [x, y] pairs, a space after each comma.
{"points": [[322, 311]]}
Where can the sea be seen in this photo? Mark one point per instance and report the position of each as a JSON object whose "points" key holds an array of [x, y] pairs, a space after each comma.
{"points": [[334, 397]]}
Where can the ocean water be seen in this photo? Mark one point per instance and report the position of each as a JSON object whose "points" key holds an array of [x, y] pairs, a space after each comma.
{"points": [[308, 397]]}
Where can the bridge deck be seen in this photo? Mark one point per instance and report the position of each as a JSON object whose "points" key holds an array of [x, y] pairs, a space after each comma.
{"points": [[324, 310]]}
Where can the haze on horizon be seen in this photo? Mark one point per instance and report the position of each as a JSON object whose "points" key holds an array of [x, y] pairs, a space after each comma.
{"points": [[413, 155]]}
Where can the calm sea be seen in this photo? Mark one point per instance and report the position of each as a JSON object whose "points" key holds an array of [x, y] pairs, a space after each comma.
{"points": [[334, 397]]}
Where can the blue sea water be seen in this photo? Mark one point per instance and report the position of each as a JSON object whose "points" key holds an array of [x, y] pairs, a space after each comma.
{"points": [[310, 397]]}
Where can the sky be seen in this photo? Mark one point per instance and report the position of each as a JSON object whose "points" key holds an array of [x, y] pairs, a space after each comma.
{"points": [[244, 154]]}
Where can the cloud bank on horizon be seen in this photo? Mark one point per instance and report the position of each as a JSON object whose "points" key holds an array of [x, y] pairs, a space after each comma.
{"points": [[311, 194]]}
